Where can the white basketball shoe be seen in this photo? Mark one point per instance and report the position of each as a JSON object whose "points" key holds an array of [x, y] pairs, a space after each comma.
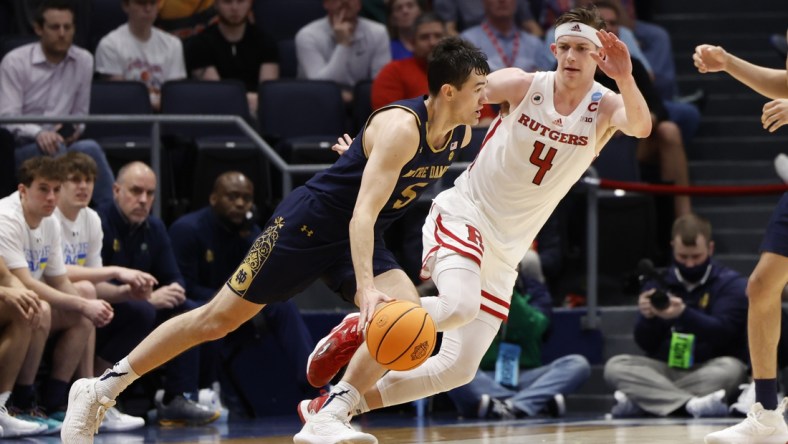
{"points": [[761, 426], [327, 428]]}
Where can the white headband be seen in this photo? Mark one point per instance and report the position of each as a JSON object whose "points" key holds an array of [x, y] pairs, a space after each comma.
{"points": [[577, 29]]}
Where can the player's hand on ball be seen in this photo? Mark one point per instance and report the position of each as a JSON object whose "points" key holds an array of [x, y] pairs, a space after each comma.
{"points": [[368, 300]]}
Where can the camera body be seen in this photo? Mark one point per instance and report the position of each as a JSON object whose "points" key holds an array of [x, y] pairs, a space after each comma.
{"points": [[646, 271], [660, 299]]}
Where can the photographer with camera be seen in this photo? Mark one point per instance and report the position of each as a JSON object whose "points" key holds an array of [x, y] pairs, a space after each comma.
{"points": [[692, 328]]}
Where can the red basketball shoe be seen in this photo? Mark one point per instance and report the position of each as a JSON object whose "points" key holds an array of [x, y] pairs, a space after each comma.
{"points": [[309, 407], [334, 351]]}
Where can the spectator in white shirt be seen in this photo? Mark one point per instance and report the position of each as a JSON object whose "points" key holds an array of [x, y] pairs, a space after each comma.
{"points": [[138, 51], [81, 238], [30, 245]]}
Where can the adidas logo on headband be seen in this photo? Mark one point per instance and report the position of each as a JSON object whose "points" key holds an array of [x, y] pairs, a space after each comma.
{"points": [[577, 29]]}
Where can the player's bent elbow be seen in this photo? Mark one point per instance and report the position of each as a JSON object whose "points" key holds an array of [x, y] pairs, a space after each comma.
{"points": [[644, 130]]}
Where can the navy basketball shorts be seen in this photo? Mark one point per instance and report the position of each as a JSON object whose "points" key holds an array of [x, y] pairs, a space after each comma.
{"points": [[304, 240], [776, 239]]}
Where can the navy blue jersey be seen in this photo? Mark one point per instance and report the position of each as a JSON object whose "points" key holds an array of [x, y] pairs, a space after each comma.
{"points": [[338, 186], [307, 237]]}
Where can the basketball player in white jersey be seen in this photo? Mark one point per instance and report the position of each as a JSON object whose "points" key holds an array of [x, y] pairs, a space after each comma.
{"points": [[553, 126]]}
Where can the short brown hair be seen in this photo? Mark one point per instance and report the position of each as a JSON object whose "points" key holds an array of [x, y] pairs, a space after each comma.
{"points": [[46, 5], [40, 167], [587, 16], [689, 226], [76, 163]]}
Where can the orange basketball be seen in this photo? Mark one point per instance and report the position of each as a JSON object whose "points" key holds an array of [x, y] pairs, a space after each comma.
{"points": [[401, 335]]}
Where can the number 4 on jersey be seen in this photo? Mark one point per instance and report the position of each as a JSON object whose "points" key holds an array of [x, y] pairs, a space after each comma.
{"points": [[544, 164]]}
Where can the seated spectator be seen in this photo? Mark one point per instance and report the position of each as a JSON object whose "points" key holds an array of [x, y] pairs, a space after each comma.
{"points": [[137, 51], [655, 43], [133, 238], [685, 115], [208, 243], [21, 312], [233, 48], [692, 326], [401, 14], [460, 15], [504, 43], [81, 237], [407, 78], [342, 47], [665, 145], [30, 245], [185, 18], [51, 78], [511, 381]]}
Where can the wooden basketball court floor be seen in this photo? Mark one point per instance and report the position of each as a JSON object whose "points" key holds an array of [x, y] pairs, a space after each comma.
{"points": [[399, 429]]}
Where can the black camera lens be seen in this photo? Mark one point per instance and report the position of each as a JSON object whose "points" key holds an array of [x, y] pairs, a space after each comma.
{"points": [[660, 300]]}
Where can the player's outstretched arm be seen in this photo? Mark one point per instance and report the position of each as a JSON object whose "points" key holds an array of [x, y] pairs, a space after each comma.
{"points": [[628, 110], [772, 83], [390, 141], [508, 85]]}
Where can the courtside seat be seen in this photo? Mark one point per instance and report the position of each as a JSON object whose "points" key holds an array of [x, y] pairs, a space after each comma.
{"points": [[302, 119]]}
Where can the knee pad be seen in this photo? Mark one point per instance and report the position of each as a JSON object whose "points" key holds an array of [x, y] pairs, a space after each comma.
{"points": [[460, 293]]}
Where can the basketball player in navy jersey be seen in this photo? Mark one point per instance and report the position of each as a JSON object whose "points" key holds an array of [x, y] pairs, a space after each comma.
{"points": [[764, 423], [331, 228], [554, 125]]}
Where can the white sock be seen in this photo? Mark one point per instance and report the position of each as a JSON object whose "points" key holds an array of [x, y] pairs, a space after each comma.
{"points": [[4, 398], [116, 379], [342, 399], [361, 407]]}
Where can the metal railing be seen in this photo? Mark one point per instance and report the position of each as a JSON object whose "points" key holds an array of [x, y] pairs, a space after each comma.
{"points": [[590, 321]]}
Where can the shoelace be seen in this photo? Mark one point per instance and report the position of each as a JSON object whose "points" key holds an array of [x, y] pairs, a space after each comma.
{"points": [[104, 405], [345, 422], [752, 423], [112, 414]]}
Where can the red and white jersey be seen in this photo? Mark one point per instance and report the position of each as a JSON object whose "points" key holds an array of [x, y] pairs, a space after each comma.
{"points": [[528, 162]]}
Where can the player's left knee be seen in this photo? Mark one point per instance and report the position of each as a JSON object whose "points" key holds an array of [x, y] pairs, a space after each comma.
{"points": [[463, 313]]}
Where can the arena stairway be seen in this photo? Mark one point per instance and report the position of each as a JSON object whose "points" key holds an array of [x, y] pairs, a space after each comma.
{"points": [[731, 147]]}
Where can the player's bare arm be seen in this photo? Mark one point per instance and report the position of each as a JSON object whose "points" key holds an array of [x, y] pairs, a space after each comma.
{"points": [[769, 82], [390, 141], [508, 85], [628, 110]]}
